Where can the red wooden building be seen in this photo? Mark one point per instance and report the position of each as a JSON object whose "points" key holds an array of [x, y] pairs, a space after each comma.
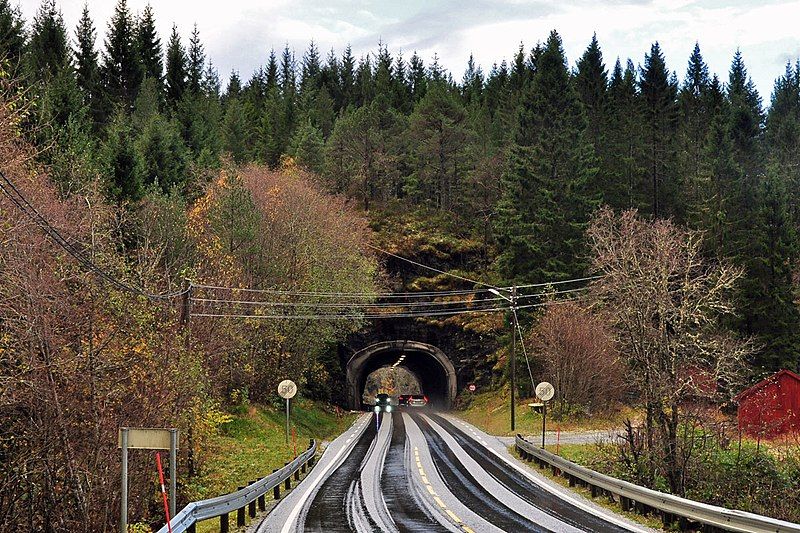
{"points": [[771, 407]]}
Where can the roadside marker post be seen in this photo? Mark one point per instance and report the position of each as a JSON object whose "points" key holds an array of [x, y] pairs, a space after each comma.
{"points": [[163, 490]]}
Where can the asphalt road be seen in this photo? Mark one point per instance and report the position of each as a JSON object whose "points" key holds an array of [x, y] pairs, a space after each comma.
{"points": [[417, 470]]}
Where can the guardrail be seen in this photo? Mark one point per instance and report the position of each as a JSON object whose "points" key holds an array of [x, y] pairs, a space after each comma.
{"points": [[672, 508], [244, 498]]}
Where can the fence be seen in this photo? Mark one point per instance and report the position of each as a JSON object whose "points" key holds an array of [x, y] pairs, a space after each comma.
{"points": [[246, 498], [688, 513]]}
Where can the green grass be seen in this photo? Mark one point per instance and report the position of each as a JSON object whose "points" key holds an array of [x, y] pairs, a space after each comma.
{"points": [[491, 411], [251, 445]]}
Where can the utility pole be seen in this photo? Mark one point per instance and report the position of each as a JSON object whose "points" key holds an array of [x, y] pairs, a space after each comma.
{"points": [[513, 357]]}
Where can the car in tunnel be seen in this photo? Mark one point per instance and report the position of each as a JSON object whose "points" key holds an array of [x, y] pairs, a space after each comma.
{"points": [[383, 403], [412, 400]]}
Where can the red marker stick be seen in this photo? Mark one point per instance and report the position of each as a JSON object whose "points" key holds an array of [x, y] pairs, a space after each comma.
{"points": [[163, 489]]}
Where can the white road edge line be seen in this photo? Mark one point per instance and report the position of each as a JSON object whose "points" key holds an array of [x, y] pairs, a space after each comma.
{"points": [[577, 503], [290, 520]]}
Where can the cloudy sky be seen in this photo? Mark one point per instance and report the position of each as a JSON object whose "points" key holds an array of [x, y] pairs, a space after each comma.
{"points": [[238, 34]]}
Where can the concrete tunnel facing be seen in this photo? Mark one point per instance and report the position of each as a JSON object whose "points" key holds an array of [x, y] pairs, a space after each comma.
{"points": [[430, 365]]}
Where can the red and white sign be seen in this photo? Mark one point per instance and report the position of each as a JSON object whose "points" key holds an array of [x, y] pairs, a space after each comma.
{"points": [[472, 387]]}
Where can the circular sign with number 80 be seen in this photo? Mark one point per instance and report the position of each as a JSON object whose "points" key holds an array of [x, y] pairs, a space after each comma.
{"points": [[545, 391], [287, 389]]}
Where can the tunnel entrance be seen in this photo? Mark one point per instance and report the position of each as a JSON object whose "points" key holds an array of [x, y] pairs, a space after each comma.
{"points": [[432, 368]]}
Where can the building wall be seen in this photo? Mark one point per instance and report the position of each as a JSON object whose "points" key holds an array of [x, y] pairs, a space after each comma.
{"points": [[773, 409]]}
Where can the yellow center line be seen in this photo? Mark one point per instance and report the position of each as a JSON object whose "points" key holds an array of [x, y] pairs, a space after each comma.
{"points": [[436, 498]]}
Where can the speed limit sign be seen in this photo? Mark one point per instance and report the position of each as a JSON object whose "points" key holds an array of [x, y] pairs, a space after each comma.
{"points": [[287, 389]]}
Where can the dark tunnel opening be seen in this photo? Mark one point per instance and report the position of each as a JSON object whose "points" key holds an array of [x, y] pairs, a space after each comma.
{"points": [[431, 367]]}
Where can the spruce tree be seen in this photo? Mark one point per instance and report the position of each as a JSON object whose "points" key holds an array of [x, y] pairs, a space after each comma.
{"points": [[364, 90], [234, 88], [770, 312], [658, 97], [348, 79], [307, 147], [402, 88], [176, 69], [472, 82], [694, 119], [235, 131], [12, 35], [310, 72], [160, 155], [196, 62], [782, 136], [86, 67], [48, 48], [418, 78], [550, 168], [121, 70], [118, 158], [591, 84], [272, 71], [148, 47], [384, 74]]}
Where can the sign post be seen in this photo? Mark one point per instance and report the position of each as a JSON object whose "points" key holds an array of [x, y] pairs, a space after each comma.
{"points": [[147, 439], [287, 390], [544, 391]]}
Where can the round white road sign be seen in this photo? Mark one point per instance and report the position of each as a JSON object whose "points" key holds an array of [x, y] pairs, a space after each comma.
{"points": [[545, 391], [472, 387], [287, 389]]}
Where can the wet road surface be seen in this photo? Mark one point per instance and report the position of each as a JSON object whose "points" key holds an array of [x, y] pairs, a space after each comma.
{"points": [[417, 470]]}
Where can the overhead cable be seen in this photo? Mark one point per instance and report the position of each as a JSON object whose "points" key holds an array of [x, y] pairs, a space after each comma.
{"points": [[462, 278], [13, 193]]}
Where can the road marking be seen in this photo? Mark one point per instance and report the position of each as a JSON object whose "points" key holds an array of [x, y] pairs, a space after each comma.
{"points": [[436, 497], [287, 527], [564, 496]]}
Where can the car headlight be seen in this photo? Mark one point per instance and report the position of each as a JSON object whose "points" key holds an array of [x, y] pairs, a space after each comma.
{"points": [[388, 408], [377, 408]]}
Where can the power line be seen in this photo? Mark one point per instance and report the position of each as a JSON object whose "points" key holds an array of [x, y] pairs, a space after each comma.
{"points": [[430, 267], [387, 305], [366, 316], [575, 280], [354, 295], [22, 203]]}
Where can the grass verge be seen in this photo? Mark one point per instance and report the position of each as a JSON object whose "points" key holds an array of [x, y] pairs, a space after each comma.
{"points": [[491, 411]]}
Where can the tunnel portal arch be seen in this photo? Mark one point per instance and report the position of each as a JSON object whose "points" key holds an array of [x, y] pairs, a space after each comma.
{"points": [[431, 366]]}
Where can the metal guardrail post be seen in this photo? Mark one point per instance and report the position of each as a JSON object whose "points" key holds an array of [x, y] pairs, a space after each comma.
{"points": [[251, 507], [240, 514], [287, 484], [224, 523], [276, 490], [262, 503]]}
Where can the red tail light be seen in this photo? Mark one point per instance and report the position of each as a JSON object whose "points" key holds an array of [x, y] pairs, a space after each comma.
{"points": [[425, 398]]}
